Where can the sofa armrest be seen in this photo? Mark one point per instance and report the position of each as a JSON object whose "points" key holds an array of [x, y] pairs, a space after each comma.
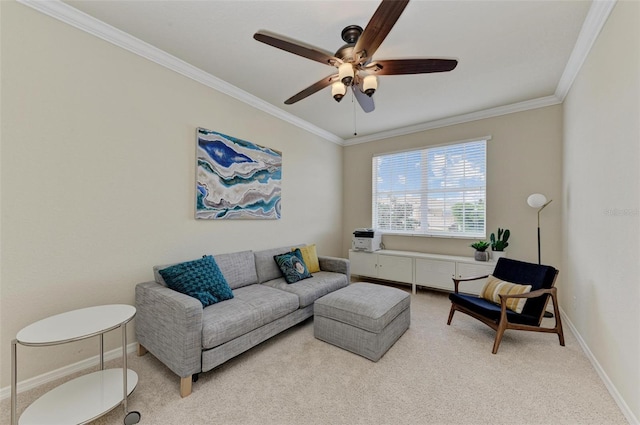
{"points": [[169, 325], [335, 264]]}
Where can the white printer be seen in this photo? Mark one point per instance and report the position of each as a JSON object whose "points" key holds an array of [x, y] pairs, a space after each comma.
{"points": [[366, 240]]}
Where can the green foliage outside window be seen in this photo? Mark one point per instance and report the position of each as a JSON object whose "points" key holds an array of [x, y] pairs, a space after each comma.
{"points": [[469, 216]]}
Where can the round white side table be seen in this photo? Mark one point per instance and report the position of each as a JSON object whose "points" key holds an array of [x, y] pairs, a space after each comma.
{"points": [[89, 396]]}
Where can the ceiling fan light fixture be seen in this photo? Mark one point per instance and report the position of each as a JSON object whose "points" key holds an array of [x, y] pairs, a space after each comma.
{"points": [[338, 91], [345, 73], [370, 85]]}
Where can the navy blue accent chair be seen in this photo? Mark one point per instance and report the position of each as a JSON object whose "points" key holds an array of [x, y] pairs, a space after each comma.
{"points": [[498, 317]]}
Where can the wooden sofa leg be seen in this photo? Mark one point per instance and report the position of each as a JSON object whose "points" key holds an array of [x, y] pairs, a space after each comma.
{"points": [[185, 386], [141, 350]]}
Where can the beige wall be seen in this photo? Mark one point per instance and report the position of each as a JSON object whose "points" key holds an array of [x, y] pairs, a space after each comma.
{"points": [[98, 152], [524, 156], [601, 199]]}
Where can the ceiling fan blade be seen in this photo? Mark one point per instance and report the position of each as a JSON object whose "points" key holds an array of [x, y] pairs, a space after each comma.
{"points": [[295, 47], [378, 27], [411, 66], [366, 102], [311, 89]]}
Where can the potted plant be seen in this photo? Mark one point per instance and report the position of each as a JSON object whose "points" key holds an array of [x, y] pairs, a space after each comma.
{"points": [[499, 244], [481, 247]]}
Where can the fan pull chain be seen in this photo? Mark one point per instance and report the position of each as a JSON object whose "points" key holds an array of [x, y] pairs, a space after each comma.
{"points": [[353, 101]]}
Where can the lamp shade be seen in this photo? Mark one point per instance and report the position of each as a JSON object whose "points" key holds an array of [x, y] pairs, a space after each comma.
{"points": [[345, 73], [536, 200], [338, 90], [370, 84]]}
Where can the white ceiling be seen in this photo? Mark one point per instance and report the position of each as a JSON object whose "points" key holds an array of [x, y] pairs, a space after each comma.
{"points": [[509, 52]]}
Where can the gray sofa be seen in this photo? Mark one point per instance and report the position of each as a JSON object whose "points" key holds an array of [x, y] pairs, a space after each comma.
{"points": [[190, 339]]}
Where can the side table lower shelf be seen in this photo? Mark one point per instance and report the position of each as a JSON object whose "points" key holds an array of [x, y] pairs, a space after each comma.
{"points": [[81, 400]]}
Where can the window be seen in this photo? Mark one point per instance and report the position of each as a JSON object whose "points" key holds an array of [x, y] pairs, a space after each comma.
{"points": [[435, 191]]}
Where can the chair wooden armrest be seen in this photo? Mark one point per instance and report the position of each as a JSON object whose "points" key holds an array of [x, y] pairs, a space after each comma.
{"points": [[552, 292], [532, 294], [466, 279]]}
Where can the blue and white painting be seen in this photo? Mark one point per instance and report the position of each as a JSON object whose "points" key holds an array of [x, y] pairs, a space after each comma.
{"points": [[236, 179]]}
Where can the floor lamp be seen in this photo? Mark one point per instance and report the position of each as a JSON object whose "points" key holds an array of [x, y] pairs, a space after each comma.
{"points": [[538, 200]]}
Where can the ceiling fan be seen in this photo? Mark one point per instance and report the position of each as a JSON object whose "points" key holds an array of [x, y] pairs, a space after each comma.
{"points": [[354, 61]]}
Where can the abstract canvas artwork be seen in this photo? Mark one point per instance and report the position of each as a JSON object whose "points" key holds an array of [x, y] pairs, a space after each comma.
{"points": [[236, 179]]}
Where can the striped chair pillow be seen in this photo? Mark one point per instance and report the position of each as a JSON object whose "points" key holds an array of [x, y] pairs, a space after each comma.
{"points": [[494, 287]]}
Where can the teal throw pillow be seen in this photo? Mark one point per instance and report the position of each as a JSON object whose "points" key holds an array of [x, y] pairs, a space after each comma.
{"points": [[292, 266], [201, 279]]}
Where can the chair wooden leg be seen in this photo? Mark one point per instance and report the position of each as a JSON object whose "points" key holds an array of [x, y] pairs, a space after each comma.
{"points": [[558, 327], [453, 310], [502, 326], [185, 386]]}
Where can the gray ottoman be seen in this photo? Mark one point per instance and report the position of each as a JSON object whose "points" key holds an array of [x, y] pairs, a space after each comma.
{"points": [[363, 318]]}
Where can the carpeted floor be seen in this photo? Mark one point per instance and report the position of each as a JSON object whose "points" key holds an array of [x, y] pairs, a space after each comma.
{"points": [[435, 374]]}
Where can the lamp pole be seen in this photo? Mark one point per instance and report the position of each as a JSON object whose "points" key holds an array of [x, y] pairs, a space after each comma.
{"points": [[538, 200], [541, 208]]}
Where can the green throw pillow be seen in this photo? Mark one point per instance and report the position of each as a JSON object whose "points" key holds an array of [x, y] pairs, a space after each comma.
{"points": [[201, 279], [292, 266]]}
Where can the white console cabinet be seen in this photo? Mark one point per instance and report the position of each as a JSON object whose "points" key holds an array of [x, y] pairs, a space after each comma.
{"points": [[420, 269], [398, 268]]}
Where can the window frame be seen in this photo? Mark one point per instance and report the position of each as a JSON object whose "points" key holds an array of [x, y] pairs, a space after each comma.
{"points": [[426, 190]]}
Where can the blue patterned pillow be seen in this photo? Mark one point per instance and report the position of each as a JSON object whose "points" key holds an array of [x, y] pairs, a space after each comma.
{"points": [[292, 266], [201, 279]]}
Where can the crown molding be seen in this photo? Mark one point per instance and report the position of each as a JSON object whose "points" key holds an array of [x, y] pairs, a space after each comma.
{"points": [[459, 119], [69, 15], [596, 18]]}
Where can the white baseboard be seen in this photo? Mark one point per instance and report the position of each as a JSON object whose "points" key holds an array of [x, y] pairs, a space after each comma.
{"points": [[628, 414], [45, 378]]}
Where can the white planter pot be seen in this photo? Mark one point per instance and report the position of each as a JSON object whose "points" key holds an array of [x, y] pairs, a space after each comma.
{"points": [[497, 254]]}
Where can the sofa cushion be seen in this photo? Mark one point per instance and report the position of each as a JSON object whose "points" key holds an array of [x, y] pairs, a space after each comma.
{"points": [[266, 268], [311, 289], [239, 268], [201, 279], [310, 257], [292, 267], [252, 307]]}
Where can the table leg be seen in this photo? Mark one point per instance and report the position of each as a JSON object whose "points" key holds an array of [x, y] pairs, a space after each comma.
{"points": [[14, 381], [101, 351], [124, 366]]}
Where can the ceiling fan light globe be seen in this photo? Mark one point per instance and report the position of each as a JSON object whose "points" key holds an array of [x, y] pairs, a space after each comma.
{"points": [[338, 91], [345, 73], [370, 85]]}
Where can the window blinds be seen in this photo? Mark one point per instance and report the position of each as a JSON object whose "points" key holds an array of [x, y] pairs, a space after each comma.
{"points": [[434, 191]]}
